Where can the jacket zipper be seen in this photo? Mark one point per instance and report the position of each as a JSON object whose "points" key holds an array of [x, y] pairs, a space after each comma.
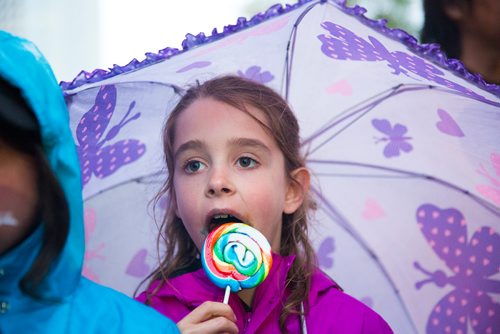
{"points": [[248, 318]]}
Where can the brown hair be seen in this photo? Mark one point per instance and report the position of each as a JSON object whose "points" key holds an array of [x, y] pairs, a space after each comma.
{"points": [[440, 28], [181, 252]]}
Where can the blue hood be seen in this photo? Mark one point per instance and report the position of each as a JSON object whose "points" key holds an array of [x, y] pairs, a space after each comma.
{"points": [[24, 66], [81, 306]]}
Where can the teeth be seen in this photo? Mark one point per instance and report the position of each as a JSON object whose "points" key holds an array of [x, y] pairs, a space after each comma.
{"points": [[219, 219]]}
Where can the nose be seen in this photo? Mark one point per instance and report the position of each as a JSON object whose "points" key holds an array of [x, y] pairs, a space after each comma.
{"points": [[219, 184]]}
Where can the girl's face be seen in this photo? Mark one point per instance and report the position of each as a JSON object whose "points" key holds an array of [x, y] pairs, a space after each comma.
{"points": [[227, 164], [18, 197]]}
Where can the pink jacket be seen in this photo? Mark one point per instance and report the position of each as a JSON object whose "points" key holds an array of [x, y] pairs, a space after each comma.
{"points": [[331, 310]]}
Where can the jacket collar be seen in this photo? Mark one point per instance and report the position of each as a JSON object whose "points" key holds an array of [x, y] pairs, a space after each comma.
{"points": [[15, 263], [195, 288]]}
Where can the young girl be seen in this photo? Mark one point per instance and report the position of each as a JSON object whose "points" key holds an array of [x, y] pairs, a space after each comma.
{"points": [[41, 218], [232, 151]]}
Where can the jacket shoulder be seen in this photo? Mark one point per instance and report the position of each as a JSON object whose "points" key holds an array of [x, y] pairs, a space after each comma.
{"points": [[338, 312], [180, 295]]}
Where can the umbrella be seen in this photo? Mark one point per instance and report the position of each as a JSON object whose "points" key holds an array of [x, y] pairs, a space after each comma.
{"points": [[402, 142]]}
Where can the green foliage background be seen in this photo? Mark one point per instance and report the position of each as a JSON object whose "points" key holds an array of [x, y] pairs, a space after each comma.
{"points": [[403, 14]]}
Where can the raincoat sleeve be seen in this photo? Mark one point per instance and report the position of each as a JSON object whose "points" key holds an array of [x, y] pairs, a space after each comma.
{"points": [[117, 313]]}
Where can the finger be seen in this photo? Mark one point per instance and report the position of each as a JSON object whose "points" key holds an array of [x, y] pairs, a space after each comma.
{"points": [[212, 326], [220, 325], [209, 310]]}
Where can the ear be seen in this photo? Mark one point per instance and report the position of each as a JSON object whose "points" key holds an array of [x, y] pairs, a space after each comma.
{"points": [[297, 190], [455, 10]]}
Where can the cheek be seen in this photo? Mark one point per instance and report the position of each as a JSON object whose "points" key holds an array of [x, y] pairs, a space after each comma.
{"points": [[185, 197], [18, 205], [268, 204], [17, 211], [195, 233], [187, 210], [18, 190]]}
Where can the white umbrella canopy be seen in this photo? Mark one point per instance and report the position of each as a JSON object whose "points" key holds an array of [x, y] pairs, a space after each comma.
{"points": [[403, 145]]}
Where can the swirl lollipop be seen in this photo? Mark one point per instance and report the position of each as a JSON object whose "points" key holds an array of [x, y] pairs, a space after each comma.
{"points": [[236, 256]]}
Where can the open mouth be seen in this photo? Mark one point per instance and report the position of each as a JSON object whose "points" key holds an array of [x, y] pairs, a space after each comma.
{"points": [[220, 219]]}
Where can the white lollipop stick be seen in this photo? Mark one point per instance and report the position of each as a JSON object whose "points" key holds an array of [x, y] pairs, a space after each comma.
{"points": [[226, 294]]}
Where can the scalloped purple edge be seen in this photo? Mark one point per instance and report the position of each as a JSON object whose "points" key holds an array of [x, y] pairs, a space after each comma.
{"points": [[431, 52]]}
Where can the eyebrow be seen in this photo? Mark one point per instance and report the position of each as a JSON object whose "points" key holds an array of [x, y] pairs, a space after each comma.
{"points": [[249, 142], [235, 142], [189, 145]]}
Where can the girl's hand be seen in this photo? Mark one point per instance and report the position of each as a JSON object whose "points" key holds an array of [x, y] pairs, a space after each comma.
{"points": [[209, 317]]}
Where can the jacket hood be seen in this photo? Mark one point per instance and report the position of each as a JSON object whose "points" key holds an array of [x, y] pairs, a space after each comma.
{"points": [[22, 64]]}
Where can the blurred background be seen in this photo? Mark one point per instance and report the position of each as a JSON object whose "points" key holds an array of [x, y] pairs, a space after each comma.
{"points": [[80, 35]]}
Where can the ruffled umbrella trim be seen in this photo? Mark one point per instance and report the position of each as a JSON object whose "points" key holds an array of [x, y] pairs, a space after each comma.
{"points": [[431, 52]]}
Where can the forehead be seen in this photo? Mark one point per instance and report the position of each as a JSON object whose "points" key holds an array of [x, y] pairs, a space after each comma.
{"points": [[208, 115]]}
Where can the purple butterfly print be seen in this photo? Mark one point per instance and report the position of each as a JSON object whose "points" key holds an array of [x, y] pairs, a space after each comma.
{"points": [[395, 136], [342, 44], [325, 251], [95, 158], [472, 263], [254, 73]]}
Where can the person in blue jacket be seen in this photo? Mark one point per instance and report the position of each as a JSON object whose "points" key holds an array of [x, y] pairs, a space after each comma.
{"points": [[41, 213]]}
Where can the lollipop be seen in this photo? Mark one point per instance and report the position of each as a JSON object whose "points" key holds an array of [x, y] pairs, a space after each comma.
{"points": [[236, 256]]}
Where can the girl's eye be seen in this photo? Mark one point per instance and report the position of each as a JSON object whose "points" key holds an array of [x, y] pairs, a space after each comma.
{"points": [[246, 162], [193, 166]]}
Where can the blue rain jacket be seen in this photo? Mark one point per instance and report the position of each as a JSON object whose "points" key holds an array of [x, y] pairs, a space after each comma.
{"points": [[71, 303]]}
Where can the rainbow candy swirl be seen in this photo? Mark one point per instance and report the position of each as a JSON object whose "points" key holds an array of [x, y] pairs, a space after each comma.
{"points": [[236, 255]]}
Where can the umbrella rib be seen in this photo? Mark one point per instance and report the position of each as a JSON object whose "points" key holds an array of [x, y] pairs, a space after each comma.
{"points": [[337, 217], [139, 179], [362, 112], [490, 207], [361, 108], [366, 175], [358, 107], [291, 47]]}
